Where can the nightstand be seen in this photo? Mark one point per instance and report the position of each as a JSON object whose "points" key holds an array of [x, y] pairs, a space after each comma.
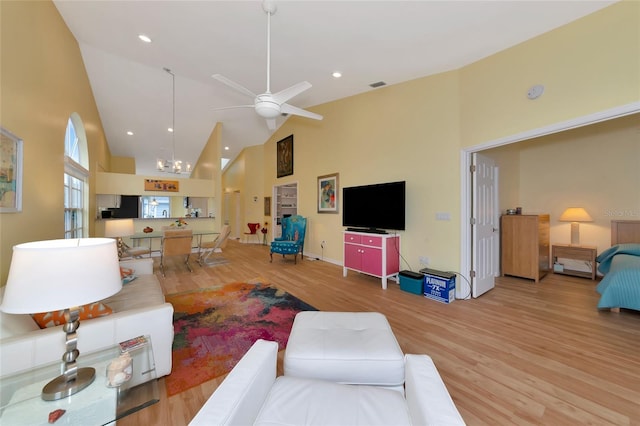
{"points": [[584, 253]]}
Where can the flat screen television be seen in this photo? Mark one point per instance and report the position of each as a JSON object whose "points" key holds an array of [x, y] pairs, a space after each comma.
{"points": [[374, 208]]}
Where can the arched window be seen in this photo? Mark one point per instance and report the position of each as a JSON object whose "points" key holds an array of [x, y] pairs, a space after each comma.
{"points": [[76, 178]]}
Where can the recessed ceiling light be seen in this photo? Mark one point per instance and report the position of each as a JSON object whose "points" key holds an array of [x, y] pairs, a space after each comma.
{"points": [[337, 74], [144, 38], [226, 148], [170, 129], [130, 133]]}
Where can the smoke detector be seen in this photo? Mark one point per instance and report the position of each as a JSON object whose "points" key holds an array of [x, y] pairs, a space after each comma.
{"points": [[535, 91]]}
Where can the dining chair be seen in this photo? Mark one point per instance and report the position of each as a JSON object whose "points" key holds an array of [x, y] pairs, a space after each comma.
{"points": [[137, 252], [207, 248], [176, 242], [253, 230]]}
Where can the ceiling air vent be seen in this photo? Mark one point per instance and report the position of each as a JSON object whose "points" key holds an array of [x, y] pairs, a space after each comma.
{"points": [[378, 84]]}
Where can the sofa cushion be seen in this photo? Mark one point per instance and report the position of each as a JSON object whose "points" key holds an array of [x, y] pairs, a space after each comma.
{"points": [[15, 324], [144, 292], [295, 401], [127, 275], [91, 310]]}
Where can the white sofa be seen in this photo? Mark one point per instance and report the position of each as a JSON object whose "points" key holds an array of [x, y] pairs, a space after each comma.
{"points": [[138, 309], [252, 395]]}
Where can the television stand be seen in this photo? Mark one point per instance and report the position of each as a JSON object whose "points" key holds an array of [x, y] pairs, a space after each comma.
{"points": [[367, 230], [371, 254]]}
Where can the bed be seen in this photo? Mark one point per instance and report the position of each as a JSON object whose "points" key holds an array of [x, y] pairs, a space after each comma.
{"points": [[620, 265]]}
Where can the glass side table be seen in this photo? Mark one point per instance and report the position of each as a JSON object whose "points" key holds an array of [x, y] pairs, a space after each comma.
{"points": [[98, 404]]}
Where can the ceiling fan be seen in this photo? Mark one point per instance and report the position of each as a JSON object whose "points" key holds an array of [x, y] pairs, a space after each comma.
{"points": [[270, 105]]}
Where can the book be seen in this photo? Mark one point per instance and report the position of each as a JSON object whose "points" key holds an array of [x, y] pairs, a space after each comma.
{"points": [[131, 344]]}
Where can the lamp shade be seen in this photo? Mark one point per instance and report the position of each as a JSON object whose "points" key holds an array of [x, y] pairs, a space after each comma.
{"points": [[118, 228], [58, 274], [575, 214]]}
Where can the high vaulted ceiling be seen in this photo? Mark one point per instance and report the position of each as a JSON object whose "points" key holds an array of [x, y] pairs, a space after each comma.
{"points": [[367, 41]]}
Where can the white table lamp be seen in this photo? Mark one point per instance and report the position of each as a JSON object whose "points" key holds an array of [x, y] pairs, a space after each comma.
{"points": [[53, 275], [575, 215], [118, 228]]}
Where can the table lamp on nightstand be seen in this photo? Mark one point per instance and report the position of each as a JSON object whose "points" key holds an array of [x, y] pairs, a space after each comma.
{"points": [[55, 275], [575, 215]]}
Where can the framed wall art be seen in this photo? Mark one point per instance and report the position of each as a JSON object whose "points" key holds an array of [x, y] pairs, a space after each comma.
{"points": [[10, 172], [328, 193], [267, 206], [161, 185], [284, 156]]}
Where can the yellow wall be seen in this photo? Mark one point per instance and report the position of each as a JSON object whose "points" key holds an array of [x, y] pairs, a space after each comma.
{"points": [[404, 132], [415, 131], [412, 131], [590, 65], [43, 81], [233, 182], [551, 173], [126, 184], [123, 165], [248, 182], [578, 172], [208, 167]]}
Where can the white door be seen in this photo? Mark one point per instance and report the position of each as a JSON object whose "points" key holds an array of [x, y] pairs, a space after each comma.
{"points": [[485, 229]]}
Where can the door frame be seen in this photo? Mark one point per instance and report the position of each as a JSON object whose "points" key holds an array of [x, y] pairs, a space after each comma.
{"points": [[466, 182]]}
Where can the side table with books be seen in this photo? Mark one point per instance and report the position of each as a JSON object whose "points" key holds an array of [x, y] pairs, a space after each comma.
{"points": [[125, 383]]}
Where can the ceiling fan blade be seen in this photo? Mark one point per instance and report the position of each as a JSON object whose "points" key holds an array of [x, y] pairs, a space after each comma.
{"points": [[234, 107], [286, 94], [289, 109], [271, 123], [235, 86]]}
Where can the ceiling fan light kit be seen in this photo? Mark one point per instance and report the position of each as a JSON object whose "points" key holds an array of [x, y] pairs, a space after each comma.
{"points": [[173, 165], [270, 105]]}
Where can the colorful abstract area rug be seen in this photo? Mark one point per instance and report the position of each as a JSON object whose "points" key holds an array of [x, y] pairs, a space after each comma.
{"points": [[216, 326]]}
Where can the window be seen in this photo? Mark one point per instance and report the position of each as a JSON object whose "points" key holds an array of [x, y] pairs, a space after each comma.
{"points": [[156, 207], [76, 176]]}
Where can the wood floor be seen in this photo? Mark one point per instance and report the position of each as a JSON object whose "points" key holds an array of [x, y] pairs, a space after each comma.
{"points": [[523, 353]]}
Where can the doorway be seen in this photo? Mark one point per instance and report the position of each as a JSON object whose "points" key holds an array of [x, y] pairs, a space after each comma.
{"points": [[468, 258]]}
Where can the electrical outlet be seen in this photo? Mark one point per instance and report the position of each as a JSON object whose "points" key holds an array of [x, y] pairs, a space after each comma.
{"points": [[322, 243], [424, 260]]}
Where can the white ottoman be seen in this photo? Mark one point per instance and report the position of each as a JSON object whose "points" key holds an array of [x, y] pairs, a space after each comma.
{"points": [[344, 347]]}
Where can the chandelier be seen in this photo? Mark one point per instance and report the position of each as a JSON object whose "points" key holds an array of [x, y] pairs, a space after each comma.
{"points": [[173, 165]]}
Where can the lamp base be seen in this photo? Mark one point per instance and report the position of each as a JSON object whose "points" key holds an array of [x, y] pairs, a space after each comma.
{"points": [[60, 388], [575, 234]]}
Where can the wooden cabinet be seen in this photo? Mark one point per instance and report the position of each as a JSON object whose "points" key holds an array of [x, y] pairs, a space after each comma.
{"points": [[525, 245], [372, 254]]}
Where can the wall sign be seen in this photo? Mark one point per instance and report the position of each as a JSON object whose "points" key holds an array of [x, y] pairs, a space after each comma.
{"points": [[161, 185]]}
